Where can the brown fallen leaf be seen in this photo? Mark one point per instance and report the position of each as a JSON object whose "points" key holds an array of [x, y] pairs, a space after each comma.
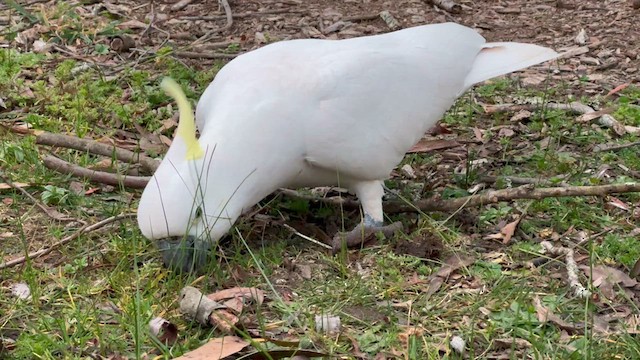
{"points": [[216, 349], [239, 292], [506, 232], [606, 278], [165, 331], [546, 315], [452, 264], [508, 343]]}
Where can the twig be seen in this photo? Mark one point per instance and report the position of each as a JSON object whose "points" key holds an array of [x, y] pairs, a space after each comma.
{"points": [[613, 147], [52, 213], [515, 180], [572, 267], [574, 107], [356, 18], [228, 15], [296, 232], [247, 14], [82, 230], [204, 55], [94, 147], [59, 165]]}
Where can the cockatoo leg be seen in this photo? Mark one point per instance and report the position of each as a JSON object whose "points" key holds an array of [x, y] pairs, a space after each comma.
{"points": [[370, 195]]}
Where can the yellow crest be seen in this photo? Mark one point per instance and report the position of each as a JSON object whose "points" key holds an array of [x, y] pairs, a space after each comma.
{"points": [[187, 124]]}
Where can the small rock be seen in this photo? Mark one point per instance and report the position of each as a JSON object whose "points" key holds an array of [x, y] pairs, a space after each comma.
{"points": [[408, 171]]}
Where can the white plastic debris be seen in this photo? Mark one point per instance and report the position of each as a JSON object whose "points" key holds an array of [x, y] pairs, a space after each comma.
{"points": [[457, 344], [22, 291], [328, 324]]}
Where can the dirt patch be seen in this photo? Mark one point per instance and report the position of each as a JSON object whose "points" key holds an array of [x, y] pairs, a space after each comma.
{"points": [[424, 246]]}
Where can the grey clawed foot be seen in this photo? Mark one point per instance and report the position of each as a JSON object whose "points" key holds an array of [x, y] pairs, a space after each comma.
{"points": [[362, 234]]}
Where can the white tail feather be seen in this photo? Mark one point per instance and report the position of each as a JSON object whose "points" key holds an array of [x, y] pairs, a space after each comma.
{"points": [[501, 58]]}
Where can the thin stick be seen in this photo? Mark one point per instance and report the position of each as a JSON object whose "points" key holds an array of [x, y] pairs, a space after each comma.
{"points": [[82, 230], [229, 16], [97, 148], [613, 147], [204, 55], [248, 14], [61, 166], [296, 232], [52, 213]]}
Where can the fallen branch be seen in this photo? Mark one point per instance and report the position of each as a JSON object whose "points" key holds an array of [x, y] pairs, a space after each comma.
{"points": [[97, 148], [61, 166], [447, 5], [82, 230], [490, 197], [433, 204]]}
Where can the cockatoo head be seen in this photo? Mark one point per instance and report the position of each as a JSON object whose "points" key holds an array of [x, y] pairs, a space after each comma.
{"points": [[173, 206]]}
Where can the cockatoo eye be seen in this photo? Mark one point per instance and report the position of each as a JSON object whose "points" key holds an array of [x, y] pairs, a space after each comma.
{"points": [[198, 213]]}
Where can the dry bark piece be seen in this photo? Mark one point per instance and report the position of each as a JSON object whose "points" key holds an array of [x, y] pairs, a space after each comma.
{"points": [[122, 43], [206, 311], [180, 5], [447, 5], [96, 148], [61, 166], [391, 21]]}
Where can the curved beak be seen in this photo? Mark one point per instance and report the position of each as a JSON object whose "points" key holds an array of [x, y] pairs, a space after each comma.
{"points": [[184, 254]]}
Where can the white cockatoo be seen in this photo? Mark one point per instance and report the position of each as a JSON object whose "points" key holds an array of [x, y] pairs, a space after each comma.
{"points": [[306, 113]]}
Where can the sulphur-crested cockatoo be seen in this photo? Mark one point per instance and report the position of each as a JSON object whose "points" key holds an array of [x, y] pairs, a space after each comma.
{"points": [[305, 113]]}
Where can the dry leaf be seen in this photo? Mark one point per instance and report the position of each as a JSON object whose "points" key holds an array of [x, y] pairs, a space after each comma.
{"points": [[506, 232], [606, 278], [4, 186], [521, 115], [454, 263], [238, 292], [546, 315], [508, 343], [165, 331], [216, 349]]}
